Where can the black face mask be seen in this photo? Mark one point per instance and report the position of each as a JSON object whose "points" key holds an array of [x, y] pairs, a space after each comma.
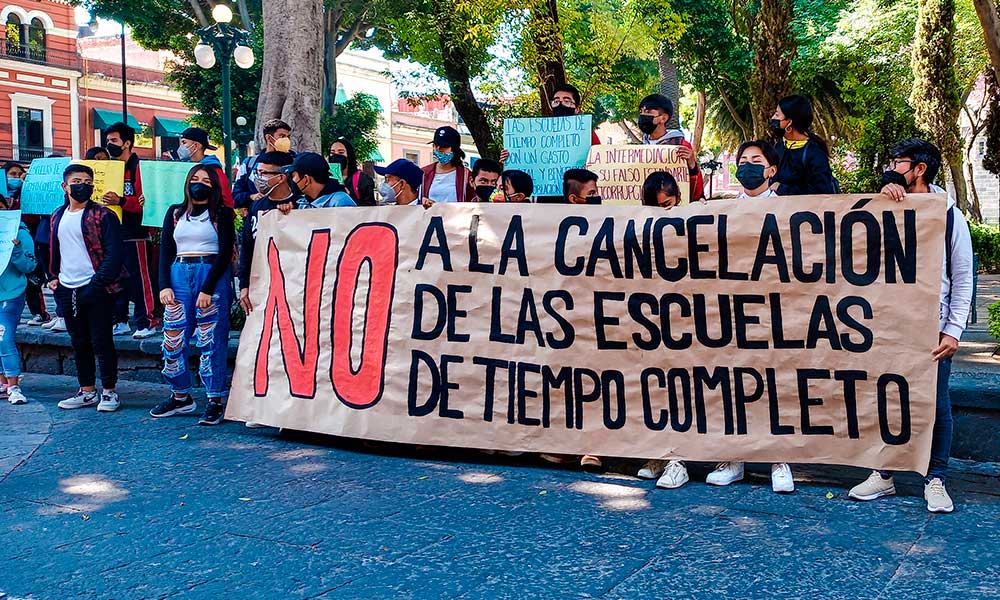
{"points": [[894, 177], [485, 192], [563, 111], [338, 159], [646, 124], [114, 150], [594, 200], [776, 129], [81, 192], [199, 191]]}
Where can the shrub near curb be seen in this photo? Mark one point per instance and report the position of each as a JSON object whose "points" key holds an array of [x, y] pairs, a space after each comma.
{"points": [[986, 245]]}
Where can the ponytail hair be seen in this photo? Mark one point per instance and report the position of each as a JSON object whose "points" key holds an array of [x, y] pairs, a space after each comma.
{"points": [[799, 110]]}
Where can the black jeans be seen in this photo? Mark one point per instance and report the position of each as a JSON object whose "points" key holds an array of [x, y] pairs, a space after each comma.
{"points": [[141, 285], [89, 319]]}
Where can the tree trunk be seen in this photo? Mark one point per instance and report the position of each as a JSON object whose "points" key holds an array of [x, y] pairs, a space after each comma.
{"points": [[973, 192], [455, 64], [962, 194], [198, 13], [670, 86], [699, 123], [745, 128], [548, 45], [774, 48], [633, 138], [293, 55], [244, 15], [987, 12], [331, 27]]}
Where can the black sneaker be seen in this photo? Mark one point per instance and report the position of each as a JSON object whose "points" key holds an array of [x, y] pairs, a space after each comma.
{"points": [[214, 413], [174, 406]]}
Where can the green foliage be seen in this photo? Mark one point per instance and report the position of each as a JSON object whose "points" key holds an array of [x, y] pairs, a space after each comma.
{"points": [[357, 120], [993, 320], [986, 245], [991, 162], [936, 97]]}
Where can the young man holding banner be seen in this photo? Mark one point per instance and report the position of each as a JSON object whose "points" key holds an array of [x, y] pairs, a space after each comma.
{"points": [[655, 111], [912, 169]]}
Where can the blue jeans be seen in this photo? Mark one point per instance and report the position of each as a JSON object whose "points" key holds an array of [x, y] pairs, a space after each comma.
{"points": [[208, 326], [941, 438], [10, 316]]}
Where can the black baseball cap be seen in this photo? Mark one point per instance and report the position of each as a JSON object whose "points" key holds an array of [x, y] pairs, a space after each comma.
{"points": [[197, 134], [405, 170], [311, 164], [447, 137]]}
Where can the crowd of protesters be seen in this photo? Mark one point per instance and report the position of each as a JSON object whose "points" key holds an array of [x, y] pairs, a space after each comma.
{"points": [[92, 261]]}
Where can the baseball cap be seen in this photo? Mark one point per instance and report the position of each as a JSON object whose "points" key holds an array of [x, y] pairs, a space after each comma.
{"points": [[405, 170], [311, 164], [447, 137], [197, 134]]}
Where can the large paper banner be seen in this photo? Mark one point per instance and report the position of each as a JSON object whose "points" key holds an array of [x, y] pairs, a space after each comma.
{"points": [[41, 192], [793, 329], [163, 184], [622, 169], [10, 222], [109, 176], [546, 147]]}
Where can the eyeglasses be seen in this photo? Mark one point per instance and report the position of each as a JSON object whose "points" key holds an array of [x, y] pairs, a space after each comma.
{"points": [[897, 162], [563, 102], [268, 173]]}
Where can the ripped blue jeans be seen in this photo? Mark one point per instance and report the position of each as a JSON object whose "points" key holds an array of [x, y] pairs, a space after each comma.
{"points": [[208, 328], [10, 316]]}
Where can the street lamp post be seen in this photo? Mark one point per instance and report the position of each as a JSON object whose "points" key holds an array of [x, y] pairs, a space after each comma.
{"points": [[243, 136], [224, 41]]}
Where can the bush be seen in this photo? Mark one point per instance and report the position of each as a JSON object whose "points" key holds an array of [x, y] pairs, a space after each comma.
{"points": [[986, 245], [993, 320]]}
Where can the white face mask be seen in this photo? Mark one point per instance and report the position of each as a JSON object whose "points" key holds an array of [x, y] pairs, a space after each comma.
{"points": [[183, 152], [388, 193]]}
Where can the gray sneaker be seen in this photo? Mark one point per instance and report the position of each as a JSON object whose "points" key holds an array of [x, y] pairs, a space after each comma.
{"points": [[938, 500], [109, 402], [82, 399], [874, 487]]}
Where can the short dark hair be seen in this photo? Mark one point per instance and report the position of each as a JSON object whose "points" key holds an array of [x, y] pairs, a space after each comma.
{"points": [[520, 181], [569, 89], [657, 102], [659, 181], [485, 164], [766, 148], [10, 164], [123, 130], [273, 125], [77, 168], [919, 151], [574, 179], [92, 153], [278, 159]]}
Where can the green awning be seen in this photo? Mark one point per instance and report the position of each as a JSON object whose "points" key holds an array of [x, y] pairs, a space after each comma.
{"points": [[167, 127], [341, 96], [376, 156], [106, 118]]}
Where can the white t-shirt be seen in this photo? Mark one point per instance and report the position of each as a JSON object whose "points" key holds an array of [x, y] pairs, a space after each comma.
{"points": [[195, 235], [768, 193], [443, 187], [75, 268]]}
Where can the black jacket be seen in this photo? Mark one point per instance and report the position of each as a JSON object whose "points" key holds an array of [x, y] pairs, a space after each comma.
{"points": [[364, 195], [803, 171], [248, 236]]}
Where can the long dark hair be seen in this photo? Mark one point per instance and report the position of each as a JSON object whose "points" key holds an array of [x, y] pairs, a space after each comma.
{"points": [[659, 181], [352, 156], [799, 110], [215, 203]]}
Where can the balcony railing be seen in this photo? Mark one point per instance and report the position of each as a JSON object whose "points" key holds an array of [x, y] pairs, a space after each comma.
{"points": [[26, 154], [39, 56]]}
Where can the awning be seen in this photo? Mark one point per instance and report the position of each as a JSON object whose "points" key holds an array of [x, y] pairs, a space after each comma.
{"points": [[106, 118], [167, 127], [341, 96], [376, 156]]}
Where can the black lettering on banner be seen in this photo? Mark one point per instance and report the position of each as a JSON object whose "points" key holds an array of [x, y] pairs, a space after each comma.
{"points": [[903, 388], [527, 320], [418, 332], [553, 381], [523, 393], [695, 249], [603, 248], [743, 398], [413, 407], [798, 267], [666, 321], [636, 302], [580, 397], [560, 258], [677, 272], [446, 386], [830, 243], [601, 320], [725, 322], [474, 265], [491, 365], [900, 255], [778, 325], [821, 325], [805, 401], [496, 320], [718, 378], [660, 422], [637, 253], [513, 248], [850, 380], [743, 320], [674, 376], [770, 237], [843, 313], [617, 421], [435, 228], [569, 334], [724, 272], [454, 314], [871, 247], [777, 428]]}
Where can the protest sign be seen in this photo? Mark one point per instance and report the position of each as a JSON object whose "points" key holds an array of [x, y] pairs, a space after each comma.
{"points": [[10, 221], [42, 190], [163, 184], [622, 169], [546, 147], [335, 172], [798, 329], [109, 176]]}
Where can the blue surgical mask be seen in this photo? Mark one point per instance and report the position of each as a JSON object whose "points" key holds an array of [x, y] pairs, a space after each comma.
{"points": [[183, 153], [443, 157], [13, 185], [388, 193]]}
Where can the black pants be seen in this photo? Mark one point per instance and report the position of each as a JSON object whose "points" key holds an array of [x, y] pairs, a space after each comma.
{"points": [[89, 322], [141, 286], [36, 302]]}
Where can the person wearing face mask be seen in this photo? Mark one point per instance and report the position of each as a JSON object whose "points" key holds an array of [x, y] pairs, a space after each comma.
{"points": [[485, 175], [655, 112], [403, 182], [515, 186], [359, 184], [86, 265], [13, 289], [276, 194], [757, 162], [448, 179], [566, 102], [277, 138], [912, 169], [34, 297], [194, 143], [661, 190], [580, 187], [138, 253], [803, 156], [310, 174], [195, 259]]}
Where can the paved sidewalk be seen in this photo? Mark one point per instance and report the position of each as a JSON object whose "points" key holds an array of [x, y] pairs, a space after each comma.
{"points": [[119, 506]]}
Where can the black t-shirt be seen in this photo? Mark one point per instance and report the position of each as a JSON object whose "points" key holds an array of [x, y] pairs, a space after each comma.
{"points": [[249, 234]]}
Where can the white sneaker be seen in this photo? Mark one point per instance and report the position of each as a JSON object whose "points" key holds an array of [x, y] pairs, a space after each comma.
{"points": [[142, 334], [873, 487], [781, 479], [652, 469], [58, 325], [16, 396], [109, 402], [48, 324], [938, 500], [675, 475], [255, 425], [121, 329], [36, 321], [82, 399], [725, 473]]}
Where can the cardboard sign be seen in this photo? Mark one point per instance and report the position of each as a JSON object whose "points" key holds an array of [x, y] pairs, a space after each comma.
{"points": [[42, 190], [798, 329], [622, 169], [109, 176], [547, 147], [163, 184]]}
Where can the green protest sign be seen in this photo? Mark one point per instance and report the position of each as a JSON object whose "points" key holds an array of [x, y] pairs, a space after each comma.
{"points": [[162, 186]]}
